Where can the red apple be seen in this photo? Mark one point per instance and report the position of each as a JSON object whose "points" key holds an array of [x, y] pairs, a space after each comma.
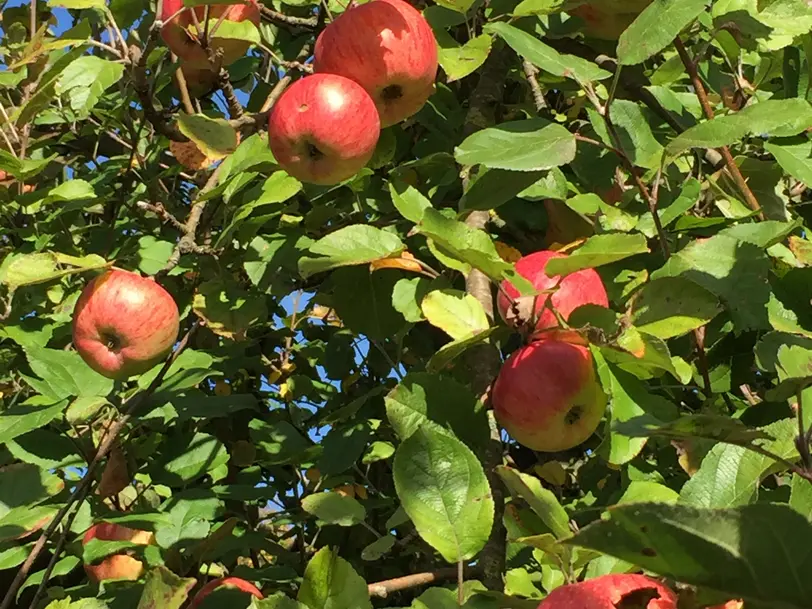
{"points": [[388, 48], [225, 582], [181, 35], [729, 605], [574, 290], [323, 129], [547, 396], [124, 324], [117, 566], [607, 591]]}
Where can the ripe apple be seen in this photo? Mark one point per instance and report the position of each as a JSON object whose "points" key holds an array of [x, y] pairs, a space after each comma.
{"points": [[607, 19], [607, 591], [547, 396], [388, 48], [729, 605], [117, 566], [323, 129], [233, 583], [181, 36], [574, 290], [124, 324]]}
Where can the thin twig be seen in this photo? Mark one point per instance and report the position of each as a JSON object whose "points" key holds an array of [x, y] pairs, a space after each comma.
{"points": [[82, 488], [185, 98], [142, 87], [58, 547], [702, 96], [272, 15], [119, 35], [530, 72], [159, 210], [187, 244], [384, 588], [235, 108]]}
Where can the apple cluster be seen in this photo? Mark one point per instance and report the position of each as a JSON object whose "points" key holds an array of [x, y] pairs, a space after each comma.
{"points": [[374, 66], [125, 567], [547, 395]]}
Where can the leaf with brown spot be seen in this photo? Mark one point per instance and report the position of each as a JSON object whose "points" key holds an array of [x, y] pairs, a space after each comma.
{"points": [[165, 590]]}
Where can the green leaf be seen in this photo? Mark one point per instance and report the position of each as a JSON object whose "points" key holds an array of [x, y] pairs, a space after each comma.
{"points": [[23, 521], [153, 254], [706, 426], [794, 155], [458, 61], [190, 458], [78, 4], [449, 352], [275, 601], [457, 313], [528, 145], [546, 57], [66, 374], [757, 552], [646, 491], [542, 501], [496, 187], [26, 485], [409, 201], [334, 508], [227, 309], [730, 475], [165, 590], [343, 446], [673, 306], [597, 251], [629, 398], [800, 498], [422, 397], [688, 198], [278, 442], [728, 268], [777, 117], [634, 133], [407, 296], [378, 548], [460, 6], [351, 245], [330, 582], [19, 270], [214, 137], [443, 489], [236, 30], [86, 79], [655, 29]]}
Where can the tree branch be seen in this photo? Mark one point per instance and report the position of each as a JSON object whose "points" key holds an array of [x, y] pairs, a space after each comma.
{"points": [[384, 588], [83, 487], [187, 244], [159, 210], [707, 109], [158, 120], [530, 72], [483, 359], [303, 22]]}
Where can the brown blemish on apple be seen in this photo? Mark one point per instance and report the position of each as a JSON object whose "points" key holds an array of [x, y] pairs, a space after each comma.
{"points": [[303, 108]]}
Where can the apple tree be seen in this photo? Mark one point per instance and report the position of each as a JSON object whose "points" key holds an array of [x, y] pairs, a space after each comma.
{"points": [[466, 303]]}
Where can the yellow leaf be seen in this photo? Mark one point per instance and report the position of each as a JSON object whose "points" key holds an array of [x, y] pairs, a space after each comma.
{"points": [[285, 393], [405, 262], [552, 472], [507, 252]]}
